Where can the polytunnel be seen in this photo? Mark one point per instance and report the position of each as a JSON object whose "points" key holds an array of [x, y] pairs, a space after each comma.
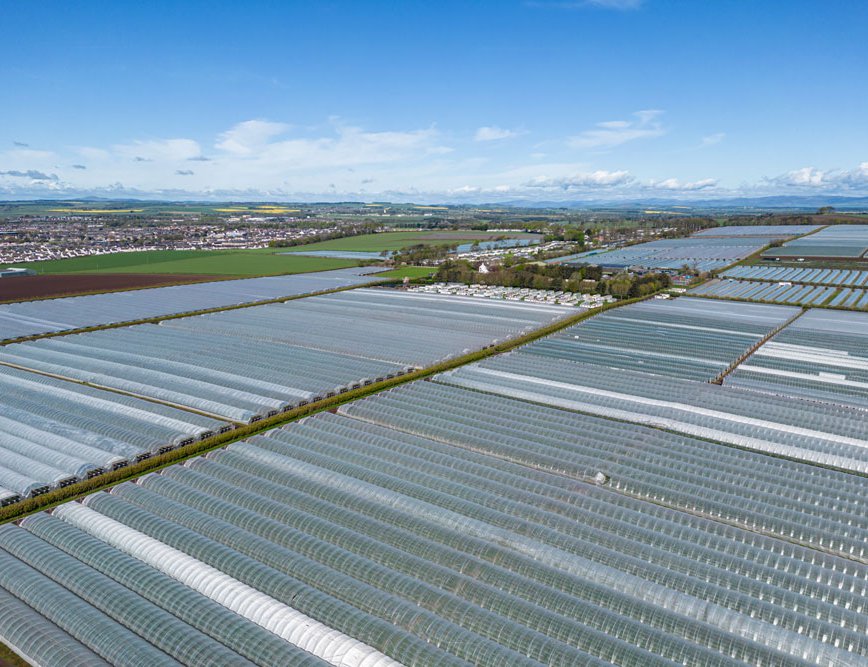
{"points": [[812, 432], [37, 640], [7, 496], [55, 432], [423, 599], [146, 416], [32, 470], [79, 468], [163, 630], [58, 436], [103, 635], [424, 567], [564, 554], [239, 634], [82, 443], [297, 628], [50, 315], [23, 485]]}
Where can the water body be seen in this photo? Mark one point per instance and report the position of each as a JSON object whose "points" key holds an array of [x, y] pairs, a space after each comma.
{"points": [[338, 254], [492, 245]]}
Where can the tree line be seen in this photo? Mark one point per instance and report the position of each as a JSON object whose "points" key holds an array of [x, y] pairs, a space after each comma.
{"points": [[585, 279]]}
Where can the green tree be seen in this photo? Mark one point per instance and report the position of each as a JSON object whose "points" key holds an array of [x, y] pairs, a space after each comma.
{"points": [[620, 284]]}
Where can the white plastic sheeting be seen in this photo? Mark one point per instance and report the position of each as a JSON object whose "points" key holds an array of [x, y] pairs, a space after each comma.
{"points": [[52, 315], [211, 373], [406, 328], [7, 496], [809, 432], [558, 559], [246, 365], [695, 339], [822, 356], [441, 525], [701, 253], [53, 433], [298, 629]]}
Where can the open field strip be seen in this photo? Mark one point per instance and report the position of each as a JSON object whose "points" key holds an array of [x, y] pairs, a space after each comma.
{"points": [[267, 261]]}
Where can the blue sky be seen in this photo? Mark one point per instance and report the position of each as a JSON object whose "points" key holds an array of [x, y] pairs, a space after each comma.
{"points": [[433, 101]]}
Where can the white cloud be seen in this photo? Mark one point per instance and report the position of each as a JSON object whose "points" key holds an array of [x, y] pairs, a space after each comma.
{"points": [[166, 150], [594, 179], [611, 133], [675, 184], [29, 155], [257, 156], [494, 133], [712, 139], [857, 178], [832, 180], [262, 159], [31, 174], [466, 190], [92, 153], [249, 136], [351, 146], [806, 176]]}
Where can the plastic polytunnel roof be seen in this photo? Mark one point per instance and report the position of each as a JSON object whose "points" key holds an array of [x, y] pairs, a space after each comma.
{"points": [[695, 339], [822, 356], [407, 328], [216, 374], [52, 315], [826, 434], [7, 496], [243, 366], [53, 432], [437, 525]]}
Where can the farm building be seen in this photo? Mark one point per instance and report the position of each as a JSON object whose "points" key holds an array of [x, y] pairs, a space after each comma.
{"points": [[12, 272]]}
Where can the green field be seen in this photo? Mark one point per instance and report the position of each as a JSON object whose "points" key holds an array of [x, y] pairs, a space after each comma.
{"points": [[203, 262], [263, 261], [399, 240]]}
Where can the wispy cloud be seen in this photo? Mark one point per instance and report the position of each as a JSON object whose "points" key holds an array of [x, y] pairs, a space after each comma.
{"points": [[159, 150], [608, 134], [347, 146], [594, 179], [494, 133], [264, 159], [712, 139], [249, 136], [812, 178], [806, 176], [673, 184], [32, 174]]}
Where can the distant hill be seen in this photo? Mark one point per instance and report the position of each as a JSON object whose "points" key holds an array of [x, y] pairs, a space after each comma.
{"points": [[771, 203]]}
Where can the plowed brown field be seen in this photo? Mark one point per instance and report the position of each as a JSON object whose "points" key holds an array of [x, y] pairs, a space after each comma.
{"points": [[35, 287]]}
